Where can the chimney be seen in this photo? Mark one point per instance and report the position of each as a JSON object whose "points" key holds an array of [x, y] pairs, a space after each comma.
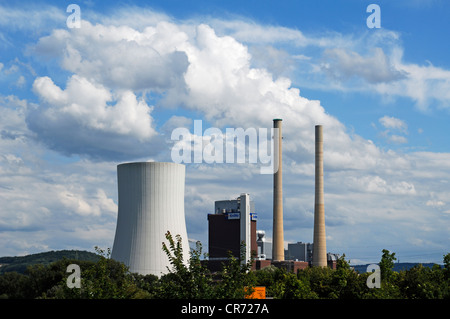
{"points": [[278, 236], [320, 245]]}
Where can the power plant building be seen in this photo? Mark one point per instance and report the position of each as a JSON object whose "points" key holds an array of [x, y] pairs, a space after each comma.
{"points": [[232, 224], [151, 203], [299, 251], [264, 247]]}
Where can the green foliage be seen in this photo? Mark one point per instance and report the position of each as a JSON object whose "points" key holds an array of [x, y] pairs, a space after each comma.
{"points": [[387, 264], [38, 281], [194, 280], [107, 279], [183, 281], [234, 277], [291, 286], [189, 278]]}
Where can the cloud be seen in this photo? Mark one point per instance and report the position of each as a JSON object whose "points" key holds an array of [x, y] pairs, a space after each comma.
{"points": [[87, 118], [386, 74], [435, 203], [46, 197], [343, 65], [76, 201], [393, 123], [397, 139], [218, 81], [42, 17], [338, 62], [376, 184], [120, 56]]}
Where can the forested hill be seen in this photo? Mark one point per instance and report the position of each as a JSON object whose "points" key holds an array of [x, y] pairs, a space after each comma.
{"points": [[397, 266], [21, 263]]}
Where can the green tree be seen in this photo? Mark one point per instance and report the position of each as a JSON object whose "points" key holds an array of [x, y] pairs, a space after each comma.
{"points": [[268, 277], [387, 264], [235, 280], [290, 286], [389, 278], [447, 266], [345, 282], [104, 279], [192, 280], [108, 279], [421, 282], [13, 285], [320, 280]]}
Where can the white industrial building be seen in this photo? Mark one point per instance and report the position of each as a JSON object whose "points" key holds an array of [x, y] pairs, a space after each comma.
{"points": [[151, 202]]}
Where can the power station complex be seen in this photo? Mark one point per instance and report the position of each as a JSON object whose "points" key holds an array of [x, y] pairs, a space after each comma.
{"points": [[151, 202]]}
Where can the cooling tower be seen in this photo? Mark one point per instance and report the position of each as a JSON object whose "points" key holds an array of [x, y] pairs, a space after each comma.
{"points": [[151, 202], [278, 236], [320, 247]]}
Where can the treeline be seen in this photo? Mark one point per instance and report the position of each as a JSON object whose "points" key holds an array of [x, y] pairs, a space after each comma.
{"points": [[106, 279], [21, 263]]}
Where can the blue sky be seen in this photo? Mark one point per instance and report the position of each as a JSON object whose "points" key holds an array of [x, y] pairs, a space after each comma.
{"points": [[76, 102]]}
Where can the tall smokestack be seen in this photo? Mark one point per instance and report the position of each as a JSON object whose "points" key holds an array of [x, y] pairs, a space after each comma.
{"points": [[278, 236], [320, 245]]}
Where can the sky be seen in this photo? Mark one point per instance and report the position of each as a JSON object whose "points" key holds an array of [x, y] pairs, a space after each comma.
{"points": [[77, 100]]}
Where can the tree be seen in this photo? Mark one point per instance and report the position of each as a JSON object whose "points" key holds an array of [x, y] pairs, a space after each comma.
{"points": [[447, 266], [235, 281], [320, 280], [194, 280], [109, 279], [268, 277], [183, 281], [345, 282], [104, 279], [13, 285], [387, 264], [290, 286]]}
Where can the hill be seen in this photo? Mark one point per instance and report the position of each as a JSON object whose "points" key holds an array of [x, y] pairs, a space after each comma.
{"points": [[397, 266], [20, 263]]}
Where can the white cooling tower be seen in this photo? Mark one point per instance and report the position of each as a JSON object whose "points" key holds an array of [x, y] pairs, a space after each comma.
{"points": [[151, 202]]}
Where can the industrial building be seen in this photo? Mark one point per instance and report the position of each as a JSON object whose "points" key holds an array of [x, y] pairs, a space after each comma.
{"points": [[232, 224], [151, 202], [264, 247], [299, 251]]}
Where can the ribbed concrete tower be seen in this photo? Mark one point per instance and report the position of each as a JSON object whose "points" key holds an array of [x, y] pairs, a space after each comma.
{"points": [[151, 202], [278, 236], [320, 245]]}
